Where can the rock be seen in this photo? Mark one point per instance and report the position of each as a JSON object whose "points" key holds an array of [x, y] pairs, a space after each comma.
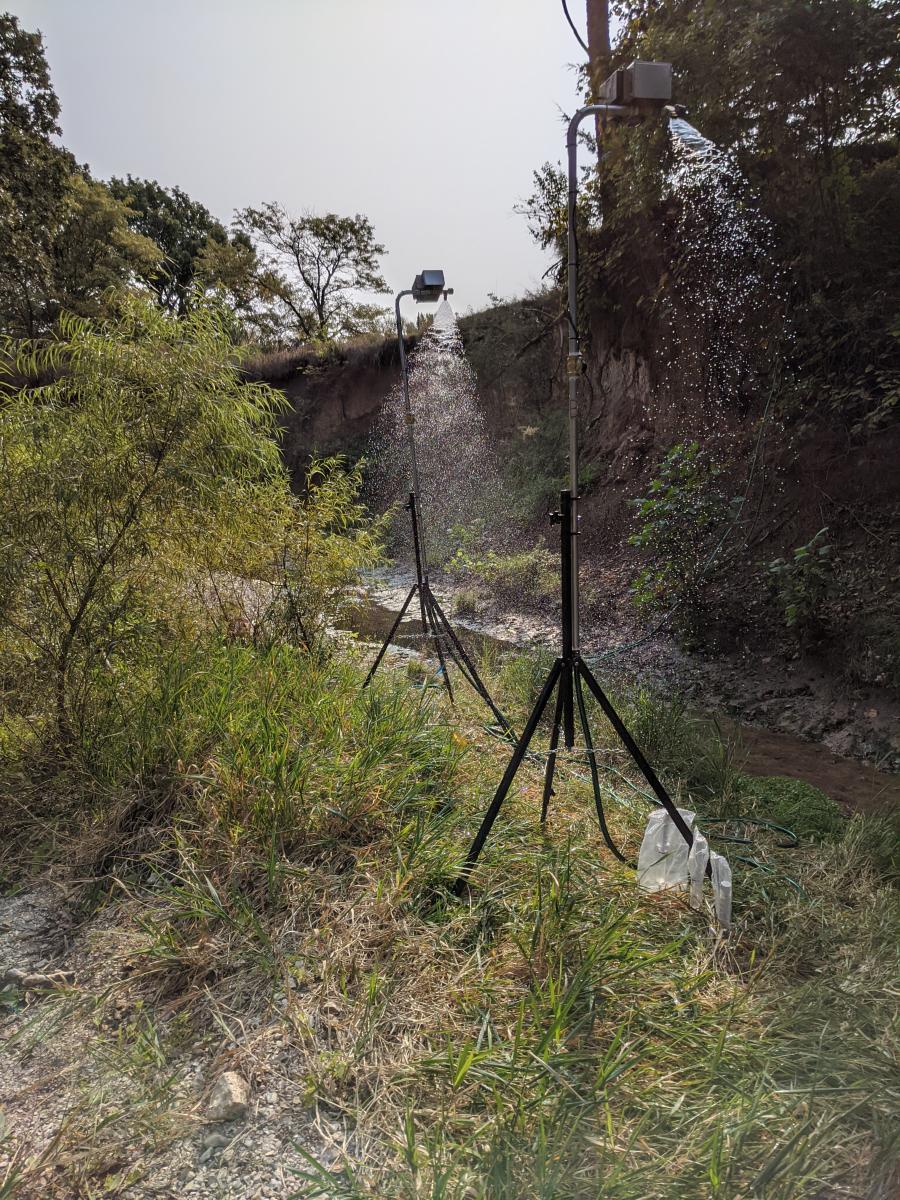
{"points": [[230, 1097], [215, 1141], [331, 1014], [34, 980]]}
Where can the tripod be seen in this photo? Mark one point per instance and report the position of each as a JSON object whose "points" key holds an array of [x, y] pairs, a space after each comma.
{"points": [[429, 285], [437, 627], [570, 674], [567, 677]]}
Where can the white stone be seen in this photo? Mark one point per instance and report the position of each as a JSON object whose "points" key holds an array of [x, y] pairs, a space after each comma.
{"points": [[230, 1097]]}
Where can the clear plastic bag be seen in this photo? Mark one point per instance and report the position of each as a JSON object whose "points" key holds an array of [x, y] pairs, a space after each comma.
{"points": [[697, 860], [663, 857], [721, 883]]}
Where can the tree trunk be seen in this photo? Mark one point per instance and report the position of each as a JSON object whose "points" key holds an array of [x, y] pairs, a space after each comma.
{"points": [[598, 42]]}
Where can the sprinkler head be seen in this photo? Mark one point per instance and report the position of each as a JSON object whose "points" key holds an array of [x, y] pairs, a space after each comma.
{"points": [[641, 86], [428, 286]]}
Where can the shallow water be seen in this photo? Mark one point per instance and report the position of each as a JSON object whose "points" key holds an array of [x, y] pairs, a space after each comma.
{"points": [[856, 786]]}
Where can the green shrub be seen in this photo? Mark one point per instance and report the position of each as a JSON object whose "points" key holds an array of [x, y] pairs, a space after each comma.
{"points": [[799, 805], [139, 490], [527, 576], [802, 583], [682, 517], [465, 602]]}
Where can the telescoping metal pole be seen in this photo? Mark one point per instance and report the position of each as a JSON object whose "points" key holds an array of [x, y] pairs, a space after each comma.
{"points": [[573, 364], [409, 420]]}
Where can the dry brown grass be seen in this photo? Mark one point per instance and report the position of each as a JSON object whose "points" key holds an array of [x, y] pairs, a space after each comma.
{"points": [[557, 1034]]}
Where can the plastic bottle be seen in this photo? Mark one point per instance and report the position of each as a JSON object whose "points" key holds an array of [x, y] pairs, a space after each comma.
{"points": [[697, 860], [721, 882]]}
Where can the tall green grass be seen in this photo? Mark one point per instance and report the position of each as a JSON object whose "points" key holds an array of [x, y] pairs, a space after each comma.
{"points": [[285, 843]]}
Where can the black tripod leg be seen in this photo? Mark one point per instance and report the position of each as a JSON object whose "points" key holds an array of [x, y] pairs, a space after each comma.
{"points": [[435, 633], [635, 751], [390, 636], [592, 759], [468, 667], [509, 775], [550, 770]]}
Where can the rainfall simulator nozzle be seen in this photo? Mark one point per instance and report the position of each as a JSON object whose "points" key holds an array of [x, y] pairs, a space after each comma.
{"points": [[640, 85], [428, 286]]}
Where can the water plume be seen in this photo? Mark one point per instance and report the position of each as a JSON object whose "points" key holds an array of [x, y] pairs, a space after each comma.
{"points": [[458, 468], [722, 299]]}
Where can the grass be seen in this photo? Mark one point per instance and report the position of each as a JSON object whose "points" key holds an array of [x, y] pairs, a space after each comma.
{"points": [[280, 366], [466, 602], [279, 845]]}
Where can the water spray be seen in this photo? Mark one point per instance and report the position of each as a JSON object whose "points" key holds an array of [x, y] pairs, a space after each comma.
{"points": [[429, 287], [630, 93]]}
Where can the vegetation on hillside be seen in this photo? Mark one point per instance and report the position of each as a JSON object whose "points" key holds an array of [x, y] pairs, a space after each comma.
{"points": [[805, 98]]}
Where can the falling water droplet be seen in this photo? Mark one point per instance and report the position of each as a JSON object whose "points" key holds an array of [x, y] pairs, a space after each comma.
{"points": [[458, 468]]}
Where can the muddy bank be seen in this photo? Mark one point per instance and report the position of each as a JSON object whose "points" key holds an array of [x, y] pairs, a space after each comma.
{"points": [[789, 719], [856, 786]]}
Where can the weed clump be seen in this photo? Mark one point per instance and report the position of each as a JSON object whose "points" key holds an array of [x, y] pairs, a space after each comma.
{"points": [[794, 803]]}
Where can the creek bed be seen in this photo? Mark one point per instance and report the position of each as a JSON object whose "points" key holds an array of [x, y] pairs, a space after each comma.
{"points": [[855, 785]]}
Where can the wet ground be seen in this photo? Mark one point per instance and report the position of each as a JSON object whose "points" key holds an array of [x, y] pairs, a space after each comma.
{"points": [[783, 717]]}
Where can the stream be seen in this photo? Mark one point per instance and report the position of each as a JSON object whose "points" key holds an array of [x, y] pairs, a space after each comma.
{"points": [[856, 786]]}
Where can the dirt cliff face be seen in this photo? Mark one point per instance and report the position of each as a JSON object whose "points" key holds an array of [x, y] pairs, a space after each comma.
{"points": [[630, 418], [628, 421], [335, 397]]}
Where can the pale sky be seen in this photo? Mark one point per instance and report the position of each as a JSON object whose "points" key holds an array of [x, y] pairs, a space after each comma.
{"points": [[429, 116]]}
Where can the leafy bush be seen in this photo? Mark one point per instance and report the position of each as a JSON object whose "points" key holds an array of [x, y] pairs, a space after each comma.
{"points": [[526, 576], [682, 517], [141, 478], [802, 583], [465, 603]]}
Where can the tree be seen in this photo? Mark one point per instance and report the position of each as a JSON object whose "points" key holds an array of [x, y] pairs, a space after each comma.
{"points": [[180, 226], [93, 250], [64, 240], [146, 461], [33, 177], [598, 42], [805, 95], [230, 271], [28, 104], [315, 267]]}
